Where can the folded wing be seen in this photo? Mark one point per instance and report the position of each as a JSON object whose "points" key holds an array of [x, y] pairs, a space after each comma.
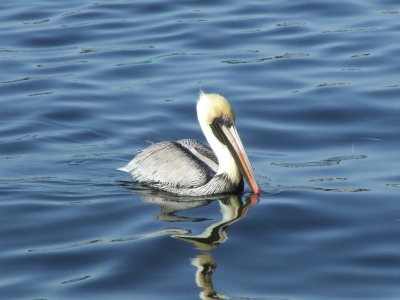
{"points": [[183, 164]]}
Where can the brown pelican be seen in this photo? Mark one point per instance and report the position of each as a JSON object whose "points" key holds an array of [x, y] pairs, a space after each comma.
{"points": [[189, 168]]}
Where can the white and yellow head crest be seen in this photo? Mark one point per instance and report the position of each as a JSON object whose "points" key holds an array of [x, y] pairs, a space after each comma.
{"points": [[211, 107]]}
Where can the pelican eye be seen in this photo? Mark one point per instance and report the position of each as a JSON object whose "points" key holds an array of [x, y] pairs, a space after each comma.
{"points": [[226, 120]]}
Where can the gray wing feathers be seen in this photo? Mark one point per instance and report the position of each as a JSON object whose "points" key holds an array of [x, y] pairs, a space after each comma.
{"points": [[173, 164], [202, 152]]}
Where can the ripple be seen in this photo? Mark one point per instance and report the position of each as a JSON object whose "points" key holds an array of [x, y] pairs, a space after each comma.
{"points": [[40, 94], [351, 30], [330, 190], [395, 185], [167, 231], [43, 21], [77, 279], [360, 55], [328, 179], [391, 12], [286, 55], [322, 163], [17, 80], [81, 244], [285, 24], [331, 84]]}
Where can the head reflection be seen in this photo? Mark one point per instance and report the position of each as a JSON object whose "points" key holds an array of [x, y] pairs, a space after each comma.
{"points": [[232, 208]]}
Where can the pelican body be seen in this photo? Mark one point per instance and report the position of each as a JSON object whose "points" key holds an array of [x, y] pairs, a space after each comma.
{"points": [[189, 168]]}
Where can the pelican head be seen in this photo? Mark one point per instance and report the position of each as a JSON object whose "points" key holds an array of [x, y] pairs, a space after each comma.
{"points": [[217, 120]]}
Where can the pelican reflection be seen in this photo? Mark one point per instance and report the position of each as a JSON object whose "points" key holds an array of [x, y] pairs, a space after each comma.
{"points": [[231, 208]]}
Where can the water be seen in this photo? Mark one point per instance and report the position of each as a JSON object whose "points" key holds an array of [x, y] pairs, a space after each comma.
{"points": [[315, 86]]}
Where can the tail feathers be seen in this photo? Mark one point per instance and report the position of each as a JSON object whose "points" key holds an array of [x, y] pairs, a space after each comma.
{"points": [[128, 168], [123, 169]]}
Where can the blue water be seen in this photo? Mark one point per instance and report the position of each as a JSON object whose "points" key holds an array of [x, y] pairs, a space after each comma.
{"points": [[316, 90]]}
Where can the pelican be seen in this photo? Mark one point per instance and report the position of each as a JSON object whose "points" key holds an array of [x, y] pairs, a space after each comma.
{"points": [[189, 168]]}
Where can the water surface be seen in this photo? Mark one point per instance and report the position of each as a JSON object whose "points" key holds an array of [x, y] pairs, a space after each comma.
{"points": [[315, 86]]}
